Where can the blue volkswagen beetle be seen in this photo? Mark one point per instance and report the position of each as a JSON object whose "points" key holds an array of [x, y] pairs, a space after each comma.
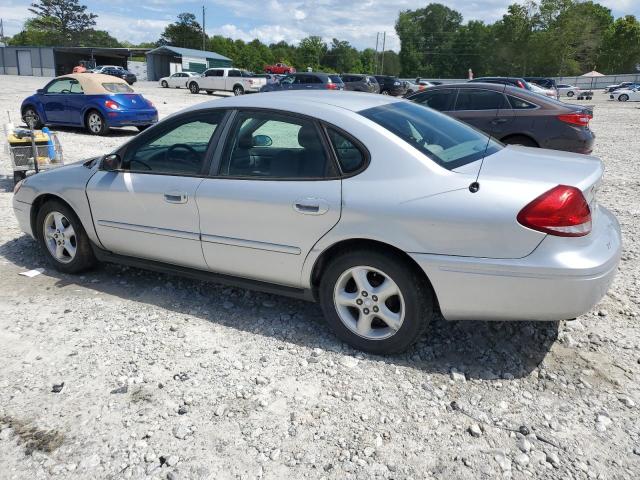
{"points": [[91, 100]]}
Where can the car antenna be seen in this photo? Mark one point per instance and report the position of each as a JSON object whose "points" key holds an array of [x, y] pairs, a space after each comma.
{"points": [[475, 185]]}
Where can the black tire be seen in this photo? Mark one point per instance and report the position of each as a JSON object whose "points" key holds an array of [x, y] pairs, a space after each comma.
{"points": [[623, 98], [209, 92], [570, 94], [164, 84], [31, 118], [520, 140], [95, 123], [84, 258], [384, 92], [415, 290], [194, 88], [238, 90]]}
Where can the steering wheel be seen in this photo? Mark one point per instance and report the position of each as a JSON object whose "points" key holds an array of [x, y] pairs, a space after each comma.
{"points": [[190, 150]]}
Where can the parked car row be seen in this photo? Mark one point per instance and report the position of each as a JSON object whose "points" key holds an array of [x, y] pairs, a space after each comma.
{"points": [[626, 94]]}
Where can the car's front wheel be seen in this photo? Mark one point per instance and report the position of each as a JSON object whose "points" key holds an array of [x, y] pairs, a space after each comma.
{"points": [[624, 97], [165, 84], [31, 118], [374, 301], [570, 94], [238, 90], [96, 124], [194, 88], [63, 238]]}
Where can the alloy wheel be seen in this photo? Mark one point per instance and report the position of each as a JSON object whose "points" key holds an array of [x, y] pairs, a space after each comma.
{"points": [[369, 303], [60, 237], [95, 122], [31, 118], [623, 97], [238, 91]]}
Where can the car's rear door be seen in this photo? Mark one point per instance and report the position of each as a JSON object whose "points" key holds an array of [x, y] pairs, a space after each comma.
{"points": [[148, 209], [487, 110], [274, 195]]}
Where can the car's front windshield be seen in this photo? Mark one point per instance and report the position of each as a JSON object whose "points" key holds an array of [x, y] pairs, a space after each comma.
{"points": [[446, 141]]}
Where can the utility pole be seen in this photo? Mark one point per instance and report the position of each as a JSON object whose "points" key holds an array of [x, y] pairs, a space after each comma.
{"points": [[375, 57], [1, 34], [204, 35], [384, 40]]}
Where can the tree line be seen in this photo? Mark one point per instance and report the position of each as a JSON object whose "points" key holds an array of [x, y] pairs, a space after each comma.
{"points": [[548, 37]]}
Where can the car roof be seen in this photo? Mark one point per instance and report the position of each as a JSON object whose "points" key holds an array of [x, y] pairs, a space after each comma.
{"points": [[352, 101], [91, 83]]}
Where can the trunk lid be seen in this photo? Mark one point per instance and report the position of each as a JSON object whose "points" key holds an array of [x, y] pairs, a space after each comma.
{"points": [[131, 101], [547, 168]]}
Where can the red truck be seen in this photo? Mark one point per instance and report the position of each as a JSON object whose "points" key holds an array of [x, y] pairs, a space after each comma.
{"points": [[279, 69]]}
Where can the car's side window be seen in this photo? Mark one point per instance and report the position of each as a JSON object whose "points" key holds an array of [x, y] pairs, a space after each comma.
{"points": [[519, 104], [440, 100], [61, 86], [180, 150], [266, 145], [350, 157], [478, 99]]}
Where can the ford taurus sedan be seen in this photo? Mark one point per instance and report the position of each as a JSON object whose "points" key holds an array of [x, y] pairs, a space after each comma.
{"points": [[381, 209]]}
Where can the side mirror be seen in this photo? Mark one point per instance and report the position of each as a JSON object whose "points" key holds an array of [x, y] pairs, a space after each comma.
{"points": [[40, 91], [111, 163], [262, 141]]}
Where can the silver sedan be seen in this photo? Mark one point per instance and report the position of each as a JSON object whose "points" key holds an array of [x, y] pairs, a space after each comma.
{"points": [[382, 210]]}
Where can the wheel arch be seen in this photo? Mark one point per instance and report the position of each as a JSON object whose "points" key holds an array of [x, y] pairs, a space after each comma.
{"points": [[237, 85], [324, 258], [521, 135], [88, 109], [37, 204]]}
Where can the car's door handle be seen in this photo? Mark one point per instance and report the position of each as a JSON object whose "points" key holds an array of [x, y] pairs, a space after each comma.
{"points": [[176, 197], [311, 206], [498, 121]]}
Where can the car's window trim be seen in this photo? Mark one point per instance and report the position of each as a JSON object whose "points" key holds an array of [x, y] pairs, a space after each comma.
{"points": [[357, 143], [333, 164], [208, 155]]}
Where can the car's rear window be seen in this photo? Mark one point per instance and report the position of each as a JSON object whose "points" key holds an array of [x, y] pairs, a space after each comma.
{"points": [[446, 141], [117, 87]]}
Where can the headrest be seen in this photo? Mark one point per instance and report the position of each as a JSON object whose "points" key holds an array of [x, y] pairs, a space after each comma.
{"points": [[245, 142], [308, 136]]}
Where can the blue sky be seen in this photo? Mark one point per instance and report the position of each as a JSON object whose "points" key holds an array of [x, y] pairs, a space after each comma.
{"points": [[273, 20]]}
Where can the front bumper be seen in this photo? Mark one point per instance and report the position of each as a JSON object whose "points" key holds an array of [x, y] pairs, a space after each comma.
{"points": [[562, 279], [22, 211]]}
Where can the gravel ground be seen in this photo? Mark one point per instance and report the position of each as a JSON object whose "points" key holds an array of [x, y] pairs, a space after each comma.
{"points": [[123, 373]]}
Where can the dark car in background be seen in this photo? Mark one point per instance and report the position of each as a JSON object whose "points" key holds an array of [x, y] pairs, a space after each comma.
{"points": [[544, 82], [359, 82], [513, 81], [126, 75], [306, 81], [514, 115], [390, 85]]}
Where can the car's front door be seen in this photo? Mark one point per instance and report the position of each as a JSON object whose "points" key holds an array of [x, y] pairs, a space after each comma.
{"points": [[148, 208], [274, 195], [54, 100], [487, 110], [175, 80]]}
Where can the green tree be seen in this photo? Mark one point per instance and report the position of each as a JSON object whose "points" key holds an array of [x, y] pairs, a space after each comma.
{"points": [[621, 46], [310, 52], [186, 32], [342, 57], [65, 21]]}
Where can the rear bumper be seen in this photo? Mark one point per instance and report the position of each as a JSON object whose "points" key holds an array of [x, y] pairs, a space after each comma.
{"points": [[562, 279], [132, 118], [570, 139]]}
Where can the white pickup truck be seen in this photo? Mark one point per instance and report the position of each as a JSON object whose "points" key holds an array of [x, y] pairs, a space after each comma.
{"points": [[226, 80]]}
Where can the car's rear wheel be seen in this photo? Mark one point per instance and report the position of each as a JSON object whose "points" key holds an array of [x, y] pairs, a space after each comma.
{"points": [[238, 90], [164, 84], [375, 301], [63, 238], [95, 123], [194, 88], [624, 97], [31, 118], [570, 94], [385, 92], [520, 140]]}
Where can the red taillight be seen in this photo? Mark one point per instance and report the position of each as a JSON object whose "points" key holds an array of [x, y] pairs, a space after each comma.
{"points": [[581, 119], [112, 105], [562, 211], [332, 86]]}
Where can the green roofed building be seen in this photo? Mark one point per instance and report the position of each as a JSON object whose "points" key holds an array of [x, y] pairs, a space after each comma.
{"points": [[165, 60]]}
